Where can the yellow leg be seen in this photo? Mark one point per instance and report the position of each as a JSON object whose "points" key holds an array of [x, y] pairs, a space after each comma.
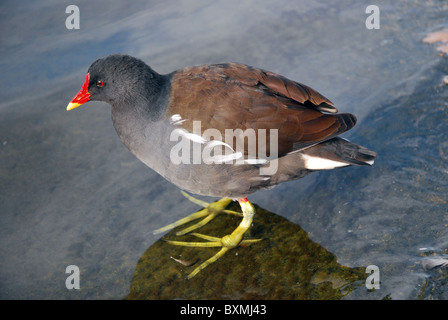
{"points": [[227, 242]]}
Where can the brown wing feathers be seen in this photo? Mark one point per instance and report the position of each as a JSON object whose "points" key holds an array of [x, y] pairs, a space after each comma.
{"points": [[296, 91], [230, 96]]}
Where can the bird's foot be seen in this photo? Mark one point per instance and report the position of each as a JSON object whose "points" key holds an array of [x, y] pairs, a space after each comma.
{"points": [[227, 242], [210, 211]]}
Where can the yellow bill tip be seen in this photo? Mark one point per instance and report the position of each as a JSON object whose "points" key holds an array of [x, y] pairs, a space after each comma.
{"points": [[73, 105]]}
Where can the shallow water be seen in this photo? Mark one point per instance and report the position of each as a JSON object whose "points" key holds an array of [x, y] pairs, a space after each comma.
{"points": [[71, 194]]}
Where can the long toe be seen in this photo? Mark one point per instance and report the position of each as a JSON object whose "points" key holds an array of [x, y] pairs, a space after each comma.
{"points": [[210, 211], [227, 242]]}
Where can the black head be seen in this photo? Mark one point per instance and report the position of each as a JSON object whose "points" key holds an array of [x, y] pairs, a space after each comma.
{"points": [[117, 79]]}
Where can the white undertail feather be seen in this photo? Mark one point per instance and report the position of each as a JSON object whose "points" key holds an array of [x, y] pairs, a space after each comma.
{"points": [[316, 163]]}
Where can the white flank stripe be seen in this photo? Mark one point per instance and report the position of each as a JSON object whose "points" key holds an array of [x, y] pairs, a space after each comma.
{"points": [[176, 119], [256, 161], [219, 158], [190, 136]]}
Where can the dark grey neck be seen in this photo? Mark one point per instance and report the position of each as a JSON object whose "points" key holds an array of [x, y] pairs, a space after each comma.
{"points": [[147, 100], [139, 109]]}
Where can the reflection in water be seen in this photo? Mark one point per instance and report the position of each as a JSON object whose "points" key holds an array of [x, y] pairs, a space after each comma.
{"points": [[285, 265]]}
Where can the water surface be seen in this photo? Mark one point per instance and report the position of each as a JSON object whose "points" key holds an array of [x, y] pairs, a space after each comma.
{"points": [[71, 194]]}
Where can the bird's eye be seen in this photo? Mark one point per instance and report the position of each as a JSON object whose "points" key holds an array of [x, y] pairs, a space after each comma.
{"points": [[99, 83]]}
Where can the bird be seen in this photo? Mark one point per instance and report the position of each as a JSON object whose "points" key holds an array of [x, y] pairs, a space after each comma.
{"points": [[222, 130]]}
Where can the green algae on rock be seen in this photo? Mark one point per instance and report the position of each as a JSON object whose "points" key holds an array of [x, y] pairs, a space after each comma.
{"points": [[286, 264]]}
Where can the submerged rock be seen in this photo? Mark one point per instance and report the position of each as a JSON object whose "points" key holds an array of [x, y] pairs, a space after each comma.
{"points": [[286, 264]]}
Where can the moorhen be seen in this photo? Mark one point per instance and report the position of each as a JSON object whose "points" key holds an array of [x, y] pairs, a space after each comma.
{"points": [[223, 130]]}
